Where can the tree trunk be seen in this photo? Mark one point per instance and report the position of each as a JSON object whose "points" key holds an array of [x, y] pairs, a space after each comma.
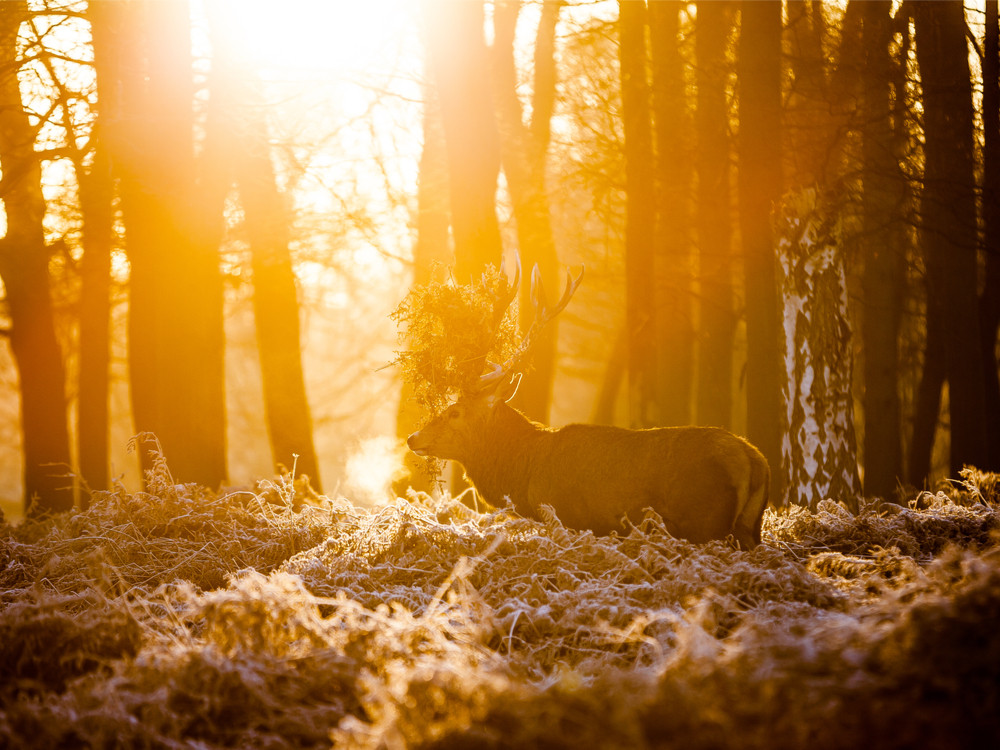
{"points": [[674, 174], [25, 274], [97, 208], [989, 309], [948, 212], [883, 269], [523, 157], [759, 71], [928, 399], [807, 111], [237, 147], [640, 217], [275, 301], [714, 219], [459, 66], [819, 446], [176, 342]]}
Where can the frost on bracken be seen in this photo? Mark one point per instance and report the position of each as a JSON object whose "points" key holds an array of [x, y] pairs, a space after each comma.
{"points": [[819, 450], [276, 618]]}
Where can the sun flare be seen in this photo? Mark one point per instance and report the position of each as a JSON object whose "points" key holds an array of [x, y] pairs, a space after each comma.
{"points": [[319, 36]]}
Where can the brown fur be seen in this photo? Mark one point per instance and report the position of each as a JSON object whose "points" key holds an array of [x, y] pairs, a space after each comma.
{"points": [[705, 482]]}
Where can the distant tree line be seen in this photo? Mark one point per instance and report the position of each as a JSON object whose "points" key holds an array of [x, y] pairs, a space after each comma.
{"points": [[670, 136]]}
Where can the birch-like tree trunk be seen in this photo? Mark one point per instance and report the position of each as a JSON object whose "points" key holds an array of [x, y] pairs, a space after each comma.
{"points": [[819, 446]]}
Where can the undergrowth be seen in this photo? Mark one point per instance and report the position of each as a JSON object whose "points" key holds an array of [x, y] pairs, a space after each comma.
{"points": [[178, 618]]}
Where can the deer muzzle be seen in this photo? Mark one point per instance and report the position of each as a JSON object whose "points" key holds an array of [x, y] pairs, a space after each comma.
{"points": [[417, 444]]}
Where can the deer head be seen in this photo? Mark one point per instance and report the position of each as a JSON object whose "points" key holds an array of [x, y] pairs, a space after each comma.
{"points": [[460, 429]]}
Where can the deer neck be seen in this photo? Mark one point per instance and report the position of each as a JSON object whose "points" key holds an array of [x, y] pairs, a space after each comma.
{"points": [[501, 467]]}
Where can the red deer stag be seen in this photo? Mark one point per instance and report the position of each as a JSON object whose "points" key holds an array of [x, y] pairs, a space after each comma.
{"points": [[705, 482]]}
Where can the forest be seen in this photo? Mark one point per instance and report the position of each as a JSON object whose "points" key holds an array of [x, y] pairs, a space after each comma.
{"points": [[247, 248]]}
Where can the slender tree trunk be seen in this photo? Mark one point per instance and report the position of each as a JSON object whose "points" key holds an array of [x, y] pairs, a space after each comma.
{"points": [[640, 216], [989, 309], [238, 148], [176, 342], [759, 71], [714, 219], [674, 175], [459, 66], [25, 274], [275, 301], [948, 208], [883, 270], [523, 158], [97, 208], [928, 399], [611, 383]]}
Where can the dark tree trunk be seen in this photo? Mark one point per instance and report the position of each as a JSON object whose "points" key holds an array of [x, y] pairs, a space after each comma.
{"points": [[674, 174], [948, 213], [883, 270], [176, 354], [759, 71], [459, 66], [640, 217], [928, 399], [714, 219], [25, 274], [97, 208], [989, 309], [523, 157], [807, 112]]}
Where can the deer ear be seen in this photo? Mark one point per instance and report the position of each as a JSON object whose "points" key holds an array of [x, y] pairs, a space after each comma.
{"points": [[505, 391]]}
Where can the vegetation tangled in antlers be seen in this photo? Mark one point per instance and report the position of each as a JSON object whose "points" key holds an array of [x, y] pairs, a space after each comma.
{"points": [[448, 331]]}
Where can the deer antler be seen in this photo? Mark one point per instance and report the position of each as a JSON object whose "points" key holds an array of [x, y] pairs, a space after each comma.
{"points": [[543, 314], [502, 302]]}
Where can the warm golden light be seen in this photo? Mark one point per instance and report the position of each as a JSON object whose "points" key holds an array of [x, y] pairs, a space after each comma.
{"points": [[318, 36]]}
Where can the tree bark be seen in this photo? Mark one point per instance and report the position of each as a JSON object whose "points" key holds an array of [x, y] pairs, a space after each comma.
{"points": [[807, 111], [640, 216], [673, 230], [948, 213], [989, 309], [819, 444], [25, 274], [883, 269], [176, 342], [759, 181], [714, 217], [97, 208], [459, 66]]}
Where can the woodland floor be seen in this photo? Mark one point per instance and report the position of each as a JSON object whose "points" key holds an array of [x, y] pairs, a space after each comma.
{"points": [[181, 618]]}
